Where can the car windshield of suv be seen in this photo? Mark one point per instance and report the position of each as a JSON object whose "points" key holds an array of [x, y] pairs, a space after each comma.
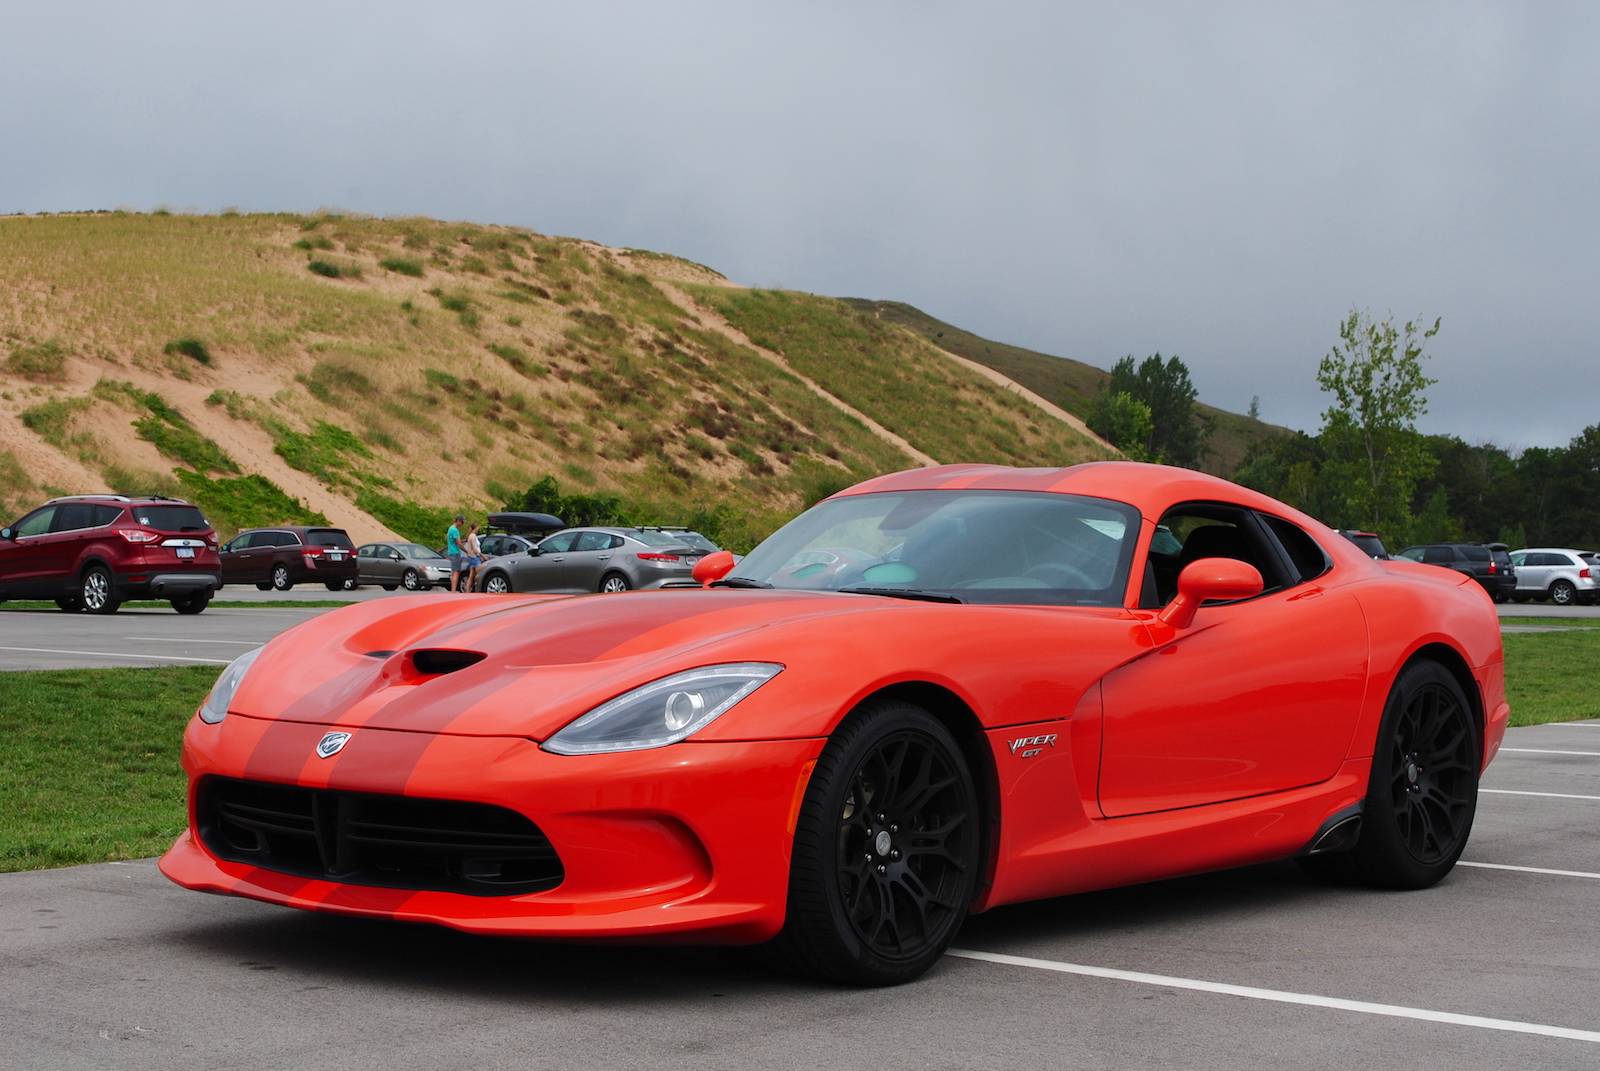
{"points": [[171, 518], [415, 550], [328, 537], [1371, 545], [1475, 554], [978, 546]]}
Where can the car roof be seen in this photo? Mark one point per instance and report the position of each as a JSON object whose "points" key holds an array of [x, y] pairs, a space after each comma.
{"points": [[121, 500], [1148, 488]]}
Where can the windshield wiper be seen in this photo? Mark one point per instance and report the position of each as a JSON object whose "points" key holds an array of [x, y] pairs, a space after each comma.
{"points": [[905, 593], [739, 582]]}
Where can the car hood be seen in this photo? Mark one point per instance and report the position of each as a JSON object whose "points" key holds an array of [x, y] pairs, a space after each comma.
{"points": [[544, 659]]}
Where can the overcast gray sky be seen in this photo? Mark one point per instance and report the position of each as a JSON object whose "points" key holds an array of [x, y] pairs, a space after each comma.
{"points": [[1219, 180]]}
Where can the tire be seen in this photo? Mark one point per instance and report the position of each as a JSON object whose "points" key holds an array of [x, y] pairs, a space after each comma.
{"points": [[192, 604], [336, 585], [848, 857], [411, 580], [280, 578], [351, 585], [69, 603], [263, 587], [1418, 779], [1563, 593], [96, 592], [497, 584], [612, 583], [390, 587]]}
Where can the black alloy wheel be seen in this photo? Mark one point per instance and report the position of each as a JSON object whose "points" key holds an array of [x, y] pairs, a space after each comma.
{"points": [[886, 851], [280, 577], [1422, 795]]}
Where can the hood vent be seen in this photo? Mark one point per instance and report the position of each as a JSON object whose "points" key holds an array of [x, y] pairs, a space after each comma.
{"points": [[431, 662]]}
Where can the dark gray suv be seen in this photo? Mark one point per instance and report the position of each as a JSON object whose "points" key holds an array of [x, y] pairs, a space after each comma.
{"points": [[595, 559]]}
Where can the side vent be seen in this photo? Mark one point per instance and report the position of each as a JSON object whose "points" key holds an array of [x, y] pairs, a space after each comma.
{"points": [[431, 662]]}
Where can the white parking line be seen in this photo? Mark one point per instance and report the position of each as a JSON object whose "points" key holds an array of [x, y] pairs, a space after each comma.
{"points": [[180, 639], [1548, 795], [1396, 1011], [1531, 870], [1548, 751], [115, 654]]}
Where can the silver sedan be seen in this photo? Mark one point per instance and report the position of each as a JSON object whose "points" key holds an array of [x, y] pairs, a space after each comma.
{"points": [[594, 559]]}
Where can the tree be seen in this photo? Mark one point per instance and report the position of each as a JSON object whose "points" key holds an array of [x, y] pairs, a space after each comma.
{"points": [[1177, 434], [1254, 412], [1375, 454], [1123, 421]]}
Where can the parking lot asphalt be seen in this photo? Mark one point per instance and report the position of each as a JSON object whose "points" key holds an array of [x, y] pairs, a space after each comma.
{"points": [[48, 639], [110, 966]]}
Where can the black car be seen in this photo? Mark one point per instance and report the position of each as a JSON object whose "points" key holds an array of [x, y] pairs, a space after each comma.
{"points": [[1488, 565], [1369, 543]]}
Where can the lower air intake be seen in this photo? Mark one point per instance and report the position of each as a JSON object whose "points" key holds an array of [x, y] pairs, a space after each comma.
{"points": [[360, 838]]}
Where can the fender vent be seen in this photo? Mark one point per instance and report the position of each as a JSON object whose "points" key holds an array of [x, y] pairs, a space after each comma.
{"points": [[434, 661]]}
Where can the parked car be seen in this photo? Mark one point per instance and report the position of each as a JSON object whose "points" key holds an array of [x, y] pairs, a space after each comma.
{"points": [[1498, 577], [402, 565], [683, 535], [502, 544], [1368, 542], [95, 552], [596, 559], [1562, 576], [294, 554]]}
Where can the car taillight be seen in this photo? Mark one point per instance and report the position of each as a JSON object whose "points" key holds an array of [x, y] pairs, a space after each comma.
{"points": [[1583, 574], [310, 556], [655, 556], [138, 535], [1493, 568]]}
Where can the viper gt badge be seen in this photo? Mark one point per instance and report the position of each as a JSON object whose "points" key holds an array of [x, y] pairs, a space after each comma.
{"points": [[330, 744], [1029, 746]]}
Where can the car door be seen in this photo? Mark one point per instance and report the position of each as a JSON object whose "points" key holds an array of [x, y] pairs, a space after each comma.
{"points": [[1519, 561], [590, 558], [235, 559], [1256, 696], [545, 571], [25, 553], [58, 550], [1538, 573], [387, 564]]}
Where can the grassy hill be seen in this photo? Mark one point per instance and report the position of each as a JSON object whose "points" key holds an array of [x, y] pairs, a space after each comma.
{"points": [[1068, 383], [380, 374]]}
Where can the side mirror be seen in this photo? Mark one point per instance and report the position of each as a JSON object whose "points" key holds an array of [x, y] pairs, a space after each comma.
{"points": [[1206, 579], [713, 566], [5, 533], [533, 551]]}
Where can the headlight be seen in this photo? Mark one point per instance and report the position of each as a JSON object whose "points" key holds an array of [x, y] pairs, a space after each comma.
{"points": [[662, 712], [215, 708]]}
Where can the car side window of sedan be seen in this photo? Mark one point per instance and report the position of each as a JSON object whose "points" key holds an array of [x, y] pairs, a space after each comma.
{"points": [[559, 543], [592, 541]]}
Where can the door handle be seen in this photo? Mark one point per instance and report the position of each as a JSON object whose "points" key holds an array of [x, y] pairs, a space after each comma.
{"points": [[605, 557], [562, 559]]}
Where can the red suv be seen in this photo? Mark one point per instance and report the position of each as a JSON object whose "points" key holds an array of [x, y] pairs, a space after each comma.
{"points": [[93, 552]]}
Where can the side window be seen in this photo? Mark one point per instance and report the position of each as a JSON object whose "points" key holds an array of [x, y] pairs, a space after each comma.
{"points": [[1438, 555], [1520, 558], [1206, 530], [37, 522], [613, 542], [364, 551], [72, 516], [1308, 558], [592, 541], [104, 515], [242, 542], [559, 543], [1411, 554]]}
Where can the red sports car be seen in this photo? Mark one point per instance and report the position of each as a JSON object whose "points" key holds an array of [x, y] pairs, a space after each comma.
{"points": [[934, 693]]}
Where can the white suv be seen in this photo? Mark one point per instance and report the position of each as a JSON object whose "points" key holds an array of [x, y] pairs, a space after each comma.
{"points": [[1564, 577]]}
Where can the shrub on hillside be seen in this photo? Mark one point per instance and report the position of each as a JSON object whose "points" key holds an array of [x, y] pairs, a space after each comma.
{"points": [[402, 266], [42, 360], [191, 348]]}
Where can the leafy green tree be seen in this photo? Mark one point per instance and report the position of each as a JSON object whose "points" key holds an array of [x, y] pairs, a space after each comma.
{"points": [[1375, 454], [1178, 433], [1254, 412], [1124, 421]]}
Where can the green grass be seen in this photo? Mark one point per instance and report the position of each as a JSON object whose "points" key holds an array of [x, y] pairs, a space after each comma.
{"points": [[236, 502], [50, 419], [45, 361], [191, 348], [91, 762], [402, 266], [1554, 622], [324, 451], [1550, 675]]}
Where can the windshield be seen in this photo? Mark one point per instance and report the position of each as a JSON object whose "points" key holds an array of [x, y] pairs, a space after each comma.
{"points": [[657, 539], [695, 540], [170, 518], [982, 546], [416, 550], [1371, 544]]}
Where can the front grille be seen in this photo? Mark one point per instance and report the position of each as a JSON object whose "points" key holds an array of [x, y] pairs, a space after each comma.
{"points": [[361, 838]]}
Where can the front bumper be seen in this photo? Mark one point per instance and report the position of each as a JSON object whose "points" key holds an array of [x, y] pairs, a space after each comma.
{"points": [[691, 839]]}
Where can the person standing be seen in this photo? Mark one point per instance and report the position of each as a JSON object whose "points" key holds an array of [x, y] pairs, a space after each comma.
{"points": [[473, 556], [452, 550]]}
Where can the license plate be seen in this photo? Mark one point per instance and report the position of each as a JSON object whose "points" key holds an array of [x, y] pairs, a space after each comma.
{"points": [[337, 556], [185, 552]]}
